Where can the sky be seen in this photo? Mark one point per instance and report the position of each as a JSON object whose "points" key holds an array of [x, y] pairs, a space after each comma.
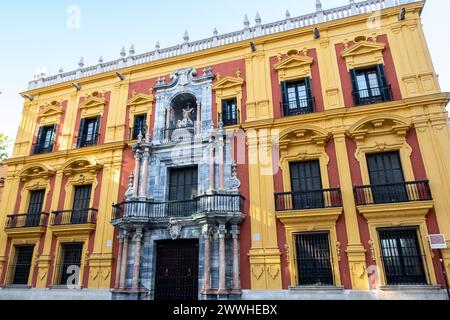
{"points": [[43, 34]]}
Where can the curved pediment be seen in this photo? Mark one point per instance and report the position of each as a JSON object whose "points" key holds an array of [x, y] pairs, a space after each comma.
{"points": [[139, 99], [36, 171], [303, 134], [80, 165], [378, 125]]}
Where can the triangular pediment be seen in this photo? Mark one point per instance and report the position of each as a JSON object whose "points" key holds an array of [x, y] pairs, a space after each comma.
{"points": [[93, 102], [50, 110], [294, 62], [140, 98], [363, 47], [228, 82]]}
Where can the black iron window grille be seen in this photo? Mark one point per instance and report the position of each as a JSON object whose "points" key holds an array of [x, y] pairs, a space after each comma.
{"points": [[68, 269], [45, 139], [230, 112], [20, 265], [139, 126], [314, 259], [297, 98], [402, 257], [89, 132], [370, 86]]}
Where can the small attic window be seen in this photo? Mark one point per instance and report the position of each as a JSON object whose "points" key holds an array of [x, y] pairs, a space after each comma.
{"points": [[292, 52], [360, 38]]}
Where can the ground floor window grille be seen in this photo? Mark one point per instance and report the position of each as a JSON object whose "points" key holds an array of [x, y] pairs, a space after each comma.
{"points": [[21, 265], [69, 267]]}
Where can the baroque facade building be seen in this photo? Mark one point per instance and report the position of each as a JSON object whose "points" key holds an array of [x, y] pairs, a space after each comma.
{"points": [[306, 158]]}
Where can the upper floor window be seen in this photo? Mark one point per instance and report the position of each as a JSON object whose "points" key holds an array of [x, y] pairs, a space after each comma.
{"points": [[370, 85], [139, 126], [89, 132], [297, 97], [230, 112], [45, 139]]}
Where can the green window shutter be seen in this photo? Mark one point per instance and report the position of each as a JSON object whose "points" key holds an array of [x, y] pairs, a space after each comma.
{"points": [[54, 133], [382, 80], [309, 94], [284, 98], [97, 128], [81, 132], [355, 86], [39, 139]]}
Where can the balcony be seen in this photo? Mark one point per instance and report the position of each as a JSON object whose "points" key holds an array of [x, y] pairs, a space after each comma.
{"points": [[26, 224], [69, 221], [231, 118], [372, 95], [415, 191], [88, 140], [161, 211], [42, 149], [177, 135], [298, 107], [307, 200]]}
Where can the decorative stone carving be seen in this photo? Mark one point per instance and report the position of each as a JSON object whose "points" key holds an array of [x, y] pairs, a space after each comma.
{"points": [[174, 229]]}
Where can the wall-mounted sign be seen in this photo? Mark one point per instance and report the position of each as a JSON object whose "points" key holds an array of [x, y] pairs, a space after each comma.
{"points": [[437, 241]]}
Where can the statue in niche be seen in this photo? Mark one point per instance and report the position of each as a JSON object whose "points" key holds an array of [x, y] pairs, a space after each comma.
{"points": [[187, 121]]}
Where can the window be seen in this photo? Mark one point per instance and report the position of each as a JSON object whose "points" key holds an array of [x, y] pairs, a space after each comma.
{"points": [[370, 85], [35, 208], [297, 97], [386, 178], [89, 132], [182, 190], [402, 257], [70, 264], [21, 264], [306, 185], [230, 112], [139, 126], [45, 139], [81, 204], [314, 263]]}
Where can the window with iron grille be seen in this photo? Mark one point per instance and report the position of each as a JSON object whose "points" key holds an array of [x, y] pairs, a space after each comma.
{"points": [[313, 257], [139, 126], [69, 264], [230, 112], [21, 265], [370, 85], [297, 97], [45, 139], [89, 132], [402, 256]]}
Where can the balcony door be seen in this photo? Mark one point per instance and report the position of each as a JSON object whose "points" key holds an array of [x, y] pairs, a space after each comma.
{"points": [[386, 178], [81, 203], [183, 185], [306, 185], [35, 208]]}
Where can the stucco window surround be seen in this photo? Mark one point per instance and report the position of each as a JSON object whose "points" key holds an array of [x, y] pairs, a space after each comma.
{"points": [[30, 240], [140, 104], [382, 133], [229, 88], [295, 66], [74, 237], [303, 143], [50, 114], [363, 53], [93, 105]]}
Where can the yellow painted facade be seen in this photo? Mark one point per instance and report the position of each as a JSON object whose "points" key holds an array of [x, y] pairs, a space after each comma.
{"points": [[372, 128]]}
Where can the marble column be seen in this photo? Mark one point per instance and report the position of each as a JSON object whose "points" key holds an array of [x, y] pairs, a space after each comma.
{"points": [[212, 165], [206, 230], [144, 173], [124, 261], [222, 261], [235, 232], [137, 258], [137, 169], [119, 262]]}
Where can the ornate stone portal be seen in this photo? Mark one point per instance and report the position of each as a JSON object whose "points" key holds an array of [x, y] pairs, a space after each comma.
{"points": [[212, 216]]}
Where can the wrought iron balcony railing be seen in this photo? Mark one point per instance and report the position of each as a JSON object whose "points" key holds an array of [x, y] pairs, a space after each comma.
{"points": [[88, 140], [372, 95], [304, 200], [74, 217], [27, 220], [219, 203], [230, 118], [42, 148], [297, 107], [393, 193], [185, 134]]}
